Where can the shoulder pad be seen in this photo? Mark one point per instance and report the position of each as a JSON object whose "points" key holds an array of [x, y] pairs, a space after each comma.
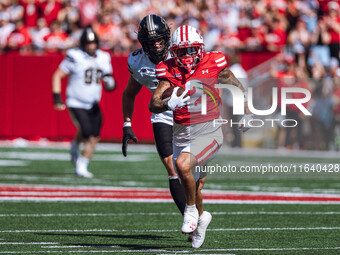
{"points": [[135, 54], [133, 59], [104, 53], [218, 58], [161, 70], [71, 55]]}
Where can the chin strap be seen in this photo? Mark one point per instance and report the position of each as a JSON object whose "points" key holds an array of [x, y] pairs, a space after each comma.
{"points": [[187, 62]]}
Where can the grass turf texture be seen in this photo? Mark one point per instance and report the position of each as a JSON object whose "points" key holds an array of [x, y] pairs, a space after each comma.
{"points": [[75, 231], [139, 232]]}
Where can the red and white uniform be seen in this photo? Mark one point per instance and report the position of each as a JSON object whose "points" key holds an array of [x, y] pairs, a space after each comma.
{"points": [[200, 81], [195, 132]]}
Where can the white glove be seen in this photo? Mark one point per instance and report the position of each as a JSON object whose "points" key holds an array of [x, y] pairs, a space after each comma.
{"points": [[177, 102], [109, 83], [244, 122]]}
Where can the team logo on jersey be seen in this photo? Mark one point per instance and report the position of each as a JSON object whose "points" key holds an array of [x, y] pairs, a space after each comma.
{"points": [[147, 71], [205, 71]]}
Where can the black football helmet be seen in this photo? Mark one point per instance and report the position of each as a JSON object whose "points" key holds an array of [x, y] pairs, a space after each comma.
{"points": [[88, 36], [153, 27]]}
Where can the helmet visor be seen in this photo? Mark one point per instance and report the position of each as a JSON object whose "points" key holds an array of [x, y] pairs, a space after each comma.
{"points": [[189, 51]]}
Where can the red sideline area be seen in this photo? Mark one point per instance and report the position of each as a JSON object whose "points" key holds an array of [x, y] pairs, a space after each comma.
{"points": [[72, 193], [27, 107]]}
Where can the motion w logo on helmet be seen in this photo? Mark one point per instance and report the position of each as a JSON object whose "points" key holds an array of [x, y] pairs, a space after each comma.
{"points": [[201, 94]]}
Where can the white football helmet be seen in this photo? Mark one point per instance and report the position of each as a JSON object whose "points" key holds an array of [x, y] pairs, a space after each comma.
{"points": [[187, 47]]}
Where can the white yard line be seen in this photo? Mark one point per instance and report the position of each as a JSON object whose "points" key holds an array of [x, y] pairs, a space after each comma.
{"points": [[75, 193], [254, 249], [190, 252], [78, 187], [62, 156], [23, 243], [5, 162], [264, 249], [87, 214], [38, 187], [271, 229], [160, 214], [266, 202], [271, 202], [275, 213], [164, 252], [39, 193], [162, 231], [77, 246], [225, 150], [82, 251]]}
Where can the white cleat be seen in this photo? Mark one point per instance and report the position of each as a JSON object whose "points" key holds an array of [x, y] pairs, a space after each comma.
{"points": [[74, 152], [84, 173], [81, 168], [199, 235], [190, 220]]}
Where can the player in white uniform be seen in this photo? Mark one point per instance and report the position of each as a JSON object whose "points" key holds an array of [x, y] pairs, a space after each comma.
{"points": [[154, 36], [86, 67]]}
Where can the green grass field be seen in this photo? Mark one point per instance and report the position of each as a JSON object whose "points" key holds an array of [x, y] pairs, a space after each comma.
{"points": [[100, 227]]}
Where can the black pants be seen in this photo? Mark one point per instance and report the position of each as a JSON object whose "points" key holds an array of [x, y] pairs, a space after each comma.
{"points": [[163, 138], [90, 121]]}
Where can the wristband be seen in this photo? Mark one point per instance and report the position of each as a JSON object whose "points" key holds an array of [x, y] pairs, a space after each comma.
{"points": [[57, 98], [127, 124]]}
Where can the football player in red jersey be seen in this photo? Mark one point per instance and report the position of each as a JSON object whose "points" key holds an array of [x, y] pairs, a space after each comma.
{"points": [[196, 139]]}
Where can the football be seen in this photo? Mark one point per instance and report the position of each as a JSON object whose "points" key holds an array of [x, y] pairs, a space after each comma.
{"points": [[168, 92]]}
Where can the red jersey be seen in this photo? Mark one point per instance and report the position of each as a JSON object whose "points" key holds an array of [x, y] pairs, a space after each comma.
{"points": [[55, 41], [19, 38], [31, 13], [200, 83], [49, 10], [335, 37]]}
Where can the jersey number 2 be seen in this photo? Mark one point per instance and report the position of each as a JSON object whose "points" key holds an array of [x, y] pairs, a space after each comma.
{"points": [[196, 95]]}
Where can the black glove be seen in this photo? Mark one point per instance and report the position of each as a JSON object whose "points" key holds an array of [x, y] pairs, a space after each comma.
{"points": [[127, 136]]}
